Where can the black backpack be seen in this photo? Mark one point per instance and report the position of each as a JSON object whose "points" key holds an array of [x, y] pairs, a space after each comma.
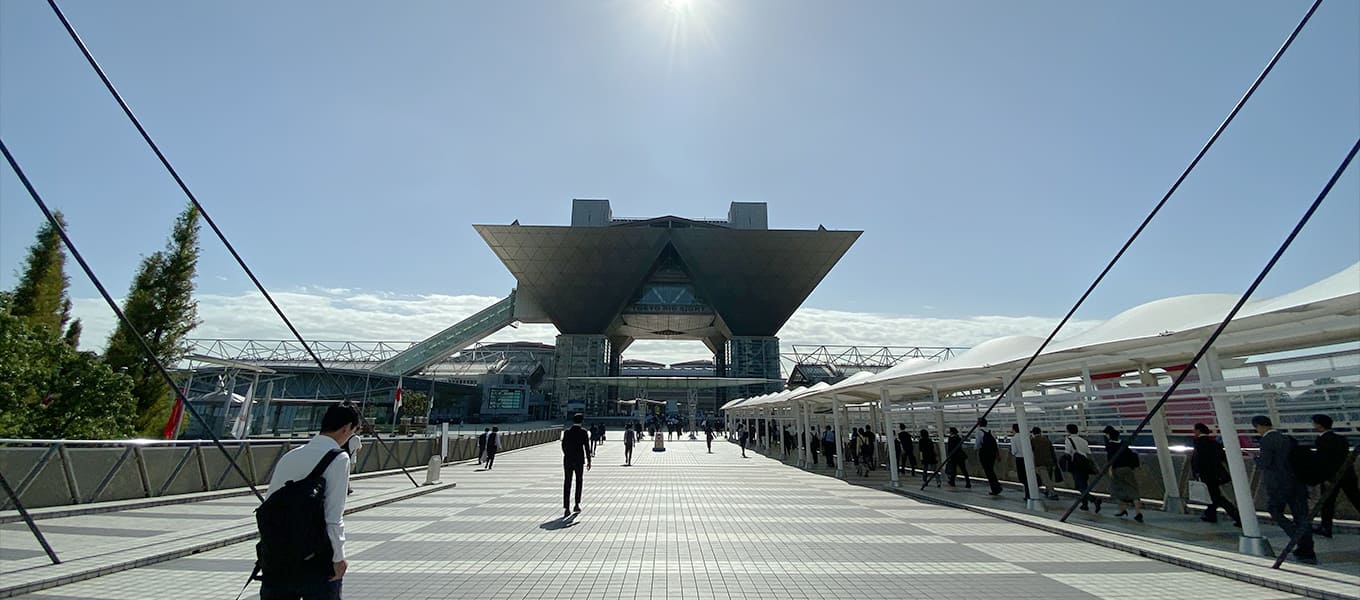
{"points": [[1304, 463], [293, 542]]}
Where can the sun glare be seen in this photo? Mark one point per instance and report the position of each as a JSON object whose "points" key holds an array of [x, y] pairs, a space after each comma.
{"points": [[679, 6]]}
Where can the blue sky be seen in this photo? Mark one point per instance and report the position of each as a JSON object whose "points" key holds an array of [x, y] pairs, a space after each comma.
{"points": [[995, 153]]}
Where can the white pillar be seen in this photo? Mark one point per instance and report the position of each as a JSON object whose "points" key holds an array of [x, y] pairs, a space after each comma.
{"points": [[885, 406], [1088, 395], [1026, 449], [1251, 542], [444, 440], [812, 437], [939, 424], [1175, 503], [838, 445]]}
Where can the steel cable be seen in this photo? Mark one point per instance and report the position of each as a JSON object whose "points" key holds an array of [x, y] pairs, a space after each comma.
{"points": [[1137, 232]]}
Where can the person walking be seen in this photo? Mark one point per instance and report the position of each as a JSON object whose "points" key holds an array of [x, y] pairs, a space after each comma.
{"points": [[814, 444], [481, 445], [868, 452], [829, 446], [1123, 474], [988, 454], [1080, 465], [493, 445], [629, 440], [576, 457], [320, 575], [1207, 465], [1283, 488], [905, 450], [743, 437], [1018, 453], [928, 461], [1045, 459], [1332, 450], [708, 436], [955, 461]]}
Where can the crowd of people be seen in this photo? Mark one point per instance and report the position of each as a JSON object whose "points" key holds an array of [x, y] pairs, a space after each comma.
{"points": [[1288, 468]]}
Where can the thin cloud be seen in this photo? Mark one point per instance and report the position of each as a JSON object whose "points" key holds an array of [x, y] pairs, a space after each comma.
{"points": [[357, 315]]}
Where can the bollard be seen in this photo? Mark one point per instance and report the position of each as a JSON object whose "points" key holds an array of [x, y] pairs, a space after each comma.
{"points": [[432, 473]]}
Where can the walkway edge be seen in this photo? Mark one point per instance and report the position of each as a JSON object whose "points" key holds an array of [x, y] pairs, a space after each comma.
{"points": [[1285, 581], [41, 578]]}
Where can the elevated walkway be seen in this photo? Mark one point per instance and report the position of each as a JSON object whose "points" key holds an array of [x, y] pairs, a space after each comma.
{"points": [[460, 335]]}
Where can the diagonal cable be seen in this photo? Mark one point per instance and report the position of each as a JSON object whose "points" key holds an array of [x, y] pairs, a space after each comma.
{"points": [[75, 37], [1156, 209], [1308, 214], [122, 317]]}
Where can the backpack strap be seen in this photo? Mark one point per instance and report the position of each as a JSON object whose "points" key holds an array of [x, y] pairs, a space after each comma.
{"points": [[324, 463]]}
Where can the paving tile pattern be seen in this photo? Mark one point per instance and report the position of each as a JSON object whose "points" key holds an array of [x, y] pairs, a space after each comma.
{"points": [[687, 524]]}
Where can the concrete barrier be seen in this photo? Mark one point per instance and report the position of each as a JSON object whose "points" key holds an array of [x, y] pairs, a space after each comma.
{"points": [[48, 473]]}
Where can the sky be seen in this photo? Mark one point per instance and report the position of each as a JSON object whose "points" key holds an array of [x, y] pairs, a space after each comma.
{"points": [[995, 154]]}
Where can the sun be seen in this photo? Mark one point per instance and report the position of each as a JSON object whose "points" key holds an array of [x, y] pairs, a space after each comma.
{"points": [[679, 6]]}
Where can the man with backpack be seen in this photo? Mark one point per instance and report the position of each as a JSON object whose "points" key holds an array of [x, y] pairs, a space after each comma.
{"points": [[1283, 487], [301, 553], [988, 454]]}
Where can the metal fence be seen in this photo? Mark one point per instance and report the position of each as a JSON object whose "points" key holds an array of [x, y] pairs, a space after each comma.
{"points": [[64, 472]]}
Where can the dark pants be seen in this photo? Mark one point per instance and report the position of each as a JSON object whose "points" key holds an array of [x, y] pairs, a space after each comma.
{"points": [[490, 457], [1082, 480], [628, 453], [1348, 485], [1024, 482], [317, 590], [1297, 502], [813, 450], [578, 469], [709, 440], [953, 468], [989, 469], [829, 451], [905, 455], [1217, 501], [481, 449]]}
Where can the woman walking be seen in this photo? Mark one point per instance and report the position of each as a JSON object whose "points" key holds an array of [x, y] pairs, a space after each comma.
{"points": [[1123, 474], [928, 460]]}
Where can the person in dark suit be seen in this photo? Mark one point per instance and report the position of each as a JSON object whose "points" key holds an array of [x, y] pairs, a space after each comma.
{"points": [[1283, 488], [575, 461], [629, 439], [1207, 463], [955, 461], [1332, 450], [988, 454], [493, 445], [906, 450], [481, 445]]}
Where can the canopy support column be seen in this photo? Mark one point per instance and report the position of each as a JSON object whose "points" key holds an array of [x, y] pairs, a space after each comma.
{"points": [[1088, 395], [839, 445], [1251, 541], [1174, 502], [939, 426], [885, 407], [1029, 479]]}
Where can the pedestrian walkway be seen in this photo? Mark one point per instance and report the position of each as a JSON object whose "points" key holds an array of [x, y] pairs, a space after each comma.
{"points": [[687, 524], [1178, 538]]}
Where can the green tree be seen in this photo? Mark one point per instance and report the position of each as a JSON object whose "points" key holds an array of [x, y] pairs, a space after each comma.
{"points": [[40, 297], [49, 390], [160, 305], [414, 404]]}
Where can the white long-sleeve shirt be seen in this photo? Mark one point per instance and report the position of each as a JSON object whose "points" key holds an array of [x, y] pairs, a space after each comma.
{"points": [[298, 463]]}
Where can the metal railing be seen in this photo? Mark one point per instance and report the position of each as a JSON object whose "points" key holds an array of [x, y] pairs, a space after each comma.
{"points": [[47, 473]]}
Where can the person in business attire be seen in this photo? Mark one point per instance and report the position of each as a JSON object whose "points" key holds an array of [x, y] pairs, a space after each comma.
{"points": [[814, 444], [629, 440], [988, 454], [1123, 475], [493, 445], [481, 445], [1018, 453], [576, 457], [1283, 488], [1207, 461], [928, 461], [955, 461], [868, 449], [325, 573], [906, 453], [708, 436], [829, 446], [1045, 460], [1332, 450], [743, 438], [1080, 465]]}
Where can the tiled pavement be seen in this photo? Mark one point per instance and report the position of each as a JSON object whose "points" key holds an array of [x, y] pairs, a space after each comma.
{"points": [[687, 524]]}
